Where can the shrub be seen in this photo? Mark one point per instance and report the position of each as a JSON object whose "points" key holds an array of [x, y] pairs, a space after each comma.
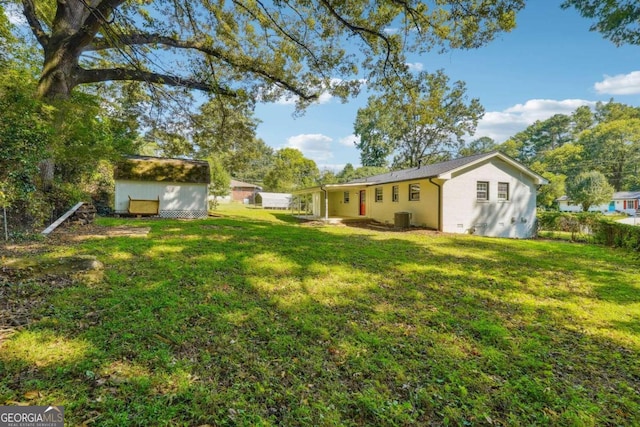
{"points": [[594, 226], [615, 234]]}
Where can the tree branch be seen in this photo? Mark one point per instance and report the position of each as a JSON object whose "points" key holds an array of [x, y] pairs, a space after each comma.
{"points": [[29, 11], [249, 65], [359, 30], [97, 17], [120, 74]]}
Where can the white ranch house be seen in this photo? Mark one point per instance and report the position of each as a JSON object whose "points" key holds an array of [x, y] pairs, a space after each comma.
{"points": [[486, 194], [621, 201], [178, 186]]}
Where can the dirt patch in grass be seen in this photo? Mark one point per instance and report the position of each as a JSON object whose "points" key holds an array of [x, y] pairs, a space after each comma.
{"points": [[94, 231], [27, 283]]}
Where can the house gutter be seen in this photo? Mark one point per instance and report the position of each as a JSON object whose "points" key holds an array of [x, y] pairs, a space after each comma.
{"points": [[439, 203], [326, 202]]}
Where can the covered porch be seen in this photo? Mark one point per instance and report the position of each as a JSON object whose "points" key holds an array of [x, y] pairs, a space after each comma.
{"points": [[331, 203]]}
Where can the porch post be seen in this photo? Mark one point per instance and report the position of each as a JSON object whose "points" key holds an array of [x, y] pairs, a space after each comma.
{"points": [[326, 205]]}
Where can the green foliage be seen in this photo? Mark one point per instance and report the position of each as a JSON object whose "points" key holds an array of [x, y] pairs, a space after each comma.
{"points": [[7, 194], [75, 134], [617, 20], [349, 173], [614, 147], [591, 227], [417, 117], [292, 49], [603, 139], [86, 133], [580, 225], [589, 189], [220, 181], [481, 145], [24, 132], [290, 171], [553, 190], [619, 235]]}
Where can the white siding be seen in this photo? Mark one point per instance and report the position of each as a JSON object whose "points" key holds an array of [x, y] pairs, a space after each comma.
{"points": [[177, 200], [463, 213], [564, 206]]}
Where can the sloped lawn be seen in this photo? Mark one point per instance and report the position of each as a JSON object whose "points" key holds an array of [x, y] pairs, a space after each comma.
{"points": [[254, 319]]}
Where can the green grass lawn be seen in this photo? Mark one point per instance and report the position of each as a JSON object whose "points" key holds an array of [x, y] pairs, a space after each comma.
{"points": [[253, 319]]}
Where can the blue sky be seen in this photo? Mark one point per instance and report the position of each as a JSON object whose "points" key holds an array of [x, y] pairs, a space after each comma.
{"points": [[551, 63]]}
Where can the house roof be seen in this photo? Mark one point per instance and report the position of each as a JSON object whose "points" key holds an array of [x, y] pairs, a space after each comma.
{"points": [[235, 183], [443, 170], [158, 169], [273, 196], [620, 195]]}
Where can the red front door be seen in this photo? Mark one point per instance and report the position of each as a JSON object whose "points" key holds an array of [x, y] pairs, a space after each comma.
{"points": [[363, 202]]}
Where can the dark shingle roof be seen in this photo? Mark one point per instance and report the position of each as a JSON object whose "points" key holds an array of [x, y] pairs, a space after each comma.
{"points": [[428, 171]]}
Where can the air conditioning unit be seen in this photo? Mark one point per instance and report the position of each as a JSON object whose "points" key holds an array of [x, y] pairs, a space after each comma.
{"points": [[402, 220]]}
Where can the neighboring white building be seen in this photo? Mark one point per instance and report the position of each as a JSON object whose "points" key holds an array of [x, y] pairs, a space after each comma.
{"points": [[487, 194], [621, 201], [180, 186], [273, 200]]}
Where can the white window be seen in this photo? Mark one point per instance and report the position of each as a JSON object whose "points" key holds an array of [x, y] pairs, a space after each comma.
{"points": [[345, 197], [378, 194], [395, 193], [503, 191], [414, 192], [482, 191]]}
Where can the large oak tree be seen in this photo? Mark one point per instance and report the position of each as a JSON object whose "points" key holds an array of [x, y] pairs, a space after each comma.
{"points": [[263, 47]]}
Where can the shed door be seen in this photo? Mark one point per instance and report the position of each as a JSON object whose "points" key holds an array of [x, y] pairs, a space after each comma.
{"points": [[363, 202]]}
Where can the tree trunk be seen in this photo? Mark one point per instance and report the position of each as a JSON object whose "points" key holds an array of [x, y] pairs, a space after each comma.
{"points": [[47, 168], [59, 70], [56, 83], [59, 77]]}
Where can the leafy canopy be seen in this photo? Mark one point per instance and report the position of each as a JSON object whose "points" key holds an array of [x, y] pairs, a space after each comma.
{"points": [[268, 49], [419, 117], [589, 189], [617, 20]]}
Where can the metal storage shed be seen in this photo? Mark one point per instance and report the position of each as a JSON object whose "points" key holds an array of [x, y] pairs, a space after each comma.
{"points": [[274, 200]]}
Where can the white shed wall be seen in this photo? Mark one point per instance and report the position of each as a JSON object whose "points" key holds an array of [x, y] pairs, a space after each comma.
{"points": [[177, 200], [463, 213]]}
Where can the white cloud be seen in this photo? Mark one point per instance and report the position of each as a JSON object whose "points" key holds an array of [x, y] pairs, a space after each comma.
{"points": [[500, 125], [349, 140], [415, 66], [315, 146], [622, 84]]}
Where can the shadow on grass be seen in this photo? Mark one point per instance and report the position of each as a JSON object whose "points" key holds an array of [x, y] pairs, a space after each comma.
{"points": [[236, 322]]}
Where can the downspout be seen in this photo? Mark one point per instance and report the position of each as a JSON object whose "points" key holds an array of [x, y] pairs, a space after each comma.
{"points": [[326, 203], [439, 203]]}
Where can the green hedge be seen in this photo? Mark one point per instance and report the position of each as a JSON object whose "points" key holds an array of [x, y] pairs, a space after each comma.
{"points": [[593, 227]]}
